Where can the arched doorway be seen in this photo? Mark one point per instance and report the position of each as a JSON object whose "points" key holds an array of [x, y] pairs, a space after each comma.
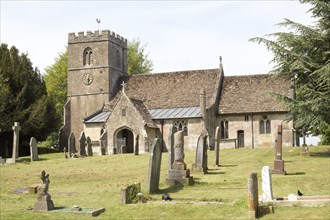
{"points": [[125, 138]]}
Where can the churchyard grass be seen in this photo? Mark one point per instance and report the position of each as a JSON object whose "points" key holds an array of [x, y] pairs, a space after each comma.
{"points": [[95, 182]]}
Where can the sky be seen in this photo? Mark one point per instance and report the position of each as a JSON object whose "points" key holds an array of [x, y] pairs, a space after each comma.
{"points": [[179, 35]]}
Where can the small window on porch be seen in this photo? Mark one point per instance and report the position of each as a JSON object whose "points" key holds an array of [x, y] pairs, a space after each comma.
{"points": [[123, 112]]}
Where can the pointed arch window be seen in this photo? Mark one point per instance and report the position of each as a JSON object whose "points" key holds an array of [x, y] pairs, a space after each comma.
{"points": [[224, 129], [264, 126], [181, 126], [88, 56]]}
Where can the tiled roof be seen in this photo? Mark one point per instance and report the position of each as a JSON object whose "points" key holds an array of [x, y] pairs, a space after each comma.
{"points": [[144, 112], [168, 113], [253, 94], [174, 89]]}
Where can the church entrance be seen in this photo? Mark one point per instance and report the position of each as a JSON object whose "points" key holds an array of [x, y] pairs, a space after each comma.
{"points": [[240, 138], [125, 141]]}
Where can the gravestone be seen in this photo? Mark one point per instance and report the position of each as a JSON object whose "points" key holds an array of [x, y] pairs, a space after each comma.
{"points": [[170, 148], [130, 193], [16, 129], [136, 146], [278, 162], [82, 141], [154, 167], [252, 195], [33, 149], [217, 149], [200, 164], [71, 145], [89, 146], [179, 172], [266, 178], [44, 201]]}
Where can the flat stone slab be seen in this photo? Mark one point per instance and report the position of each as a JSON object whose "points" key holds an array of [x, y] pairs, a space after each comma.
{"points": [[81, 211], [301, 201]]}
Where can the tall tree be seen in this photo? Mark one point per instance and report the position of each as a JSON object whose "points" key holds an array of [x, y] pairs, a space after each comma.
{"points": [[138, 61], [23, 96], [304, 55]]}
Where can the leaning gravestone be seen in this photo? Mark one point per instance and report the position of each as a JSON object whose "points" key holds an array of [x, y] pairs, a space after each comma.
{"points": [[278, 162], [33, 149], [179, 172], [82, 141], [44, 202], [89, 146], [71, 145], [217, 149], [200, 164], [154, 167], [267, 191], [170, 148]]}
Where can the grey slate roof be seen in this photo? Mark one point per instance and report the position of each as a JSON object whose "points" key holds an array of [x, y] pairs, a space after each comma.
{"points": [[169, 113], [98, 118], [253, 94]]}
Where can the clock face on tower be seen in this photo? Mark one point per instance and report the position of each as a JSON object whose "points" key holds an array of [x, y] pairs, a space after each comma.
{"points": [[88, 78]]}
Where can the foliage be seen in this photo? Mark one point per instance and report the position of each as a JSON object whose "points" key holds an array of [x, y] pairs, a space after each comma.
{"points": [[304, 55], [138, 61], [56, 84], [97, 181], [23, 96]]}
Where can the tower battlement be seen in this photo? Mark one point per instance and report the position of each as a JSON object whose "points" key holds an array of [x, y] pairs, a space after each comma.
{"points": [[89, 36]]}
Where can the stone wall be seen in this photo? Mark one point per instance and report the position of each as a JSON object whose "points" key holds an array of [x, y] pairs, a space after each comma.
{"points": [[252, 136]]}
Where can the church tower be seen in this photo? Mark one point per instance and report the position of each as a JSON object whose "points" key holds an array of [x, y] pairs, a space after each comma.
{"points": [[95, 63]]}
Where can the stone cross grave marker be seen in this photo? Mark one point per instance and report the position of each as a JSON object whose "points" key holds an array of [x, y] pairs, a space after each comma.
{"points": [[278, 162], [267, 191], [200, 164], [170, 148], [33, 149], [252, 195], [217, 149], [82, 141], [89, 146], [154, 167], [16, 129], [71, 145], [136, 146]]}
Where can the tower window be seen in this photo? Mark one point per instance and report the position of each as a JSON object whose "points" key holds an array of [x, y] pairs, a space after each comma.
{"points": [[224, 129], [88, 57], [118, 61]]}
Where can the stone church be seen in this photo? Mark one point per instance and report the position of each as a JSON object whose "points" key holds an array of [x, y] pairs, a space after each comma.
{"points": [[117, 111]]}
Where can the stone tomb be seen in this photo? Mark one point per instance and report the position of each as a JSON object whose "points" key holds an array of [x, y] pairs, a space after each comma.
{"points": [[44, 202], [267, 191], [33, 149], [200, 164], [278, 162], [179, 172], [154, 167]]}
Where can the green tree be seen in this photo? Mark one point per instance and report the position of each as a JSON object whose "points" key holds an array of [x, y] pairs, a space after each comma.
{"points": [[23, 96], [304, 55], [56, 84], [138, 61]]}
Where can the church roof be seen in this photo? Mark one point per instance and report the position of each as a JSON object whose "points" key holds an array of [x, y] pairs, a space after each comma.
{"points": [[253, 94], [173, 89], [169, 113]]}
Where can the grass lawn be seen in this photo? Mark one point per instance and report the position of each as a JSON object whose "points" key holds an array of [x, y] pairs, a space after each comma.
{"points": [[95, 182]]}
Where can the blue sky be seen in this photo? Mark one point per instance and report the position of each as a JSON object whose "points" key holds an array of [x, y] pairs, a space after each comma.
{"points": [[180, 35]]}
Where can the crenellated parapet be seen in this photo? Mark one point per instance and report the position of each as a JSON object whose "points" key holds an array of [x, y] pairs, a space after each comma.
{"points": [[97, 36]]}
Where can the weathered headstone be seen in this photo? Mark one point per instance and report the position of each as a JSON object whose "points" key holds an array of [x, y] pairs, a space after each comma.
{"points": [[82, 141], [71, 145], [16, 129], [179, 172], [89, 146], [129, 194], [200, 164], [217, 148], [136, 146], [252, 195], [266, 178], [170, 148], [33, 149], [44, 202], [278, 162], [154, 167]]}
